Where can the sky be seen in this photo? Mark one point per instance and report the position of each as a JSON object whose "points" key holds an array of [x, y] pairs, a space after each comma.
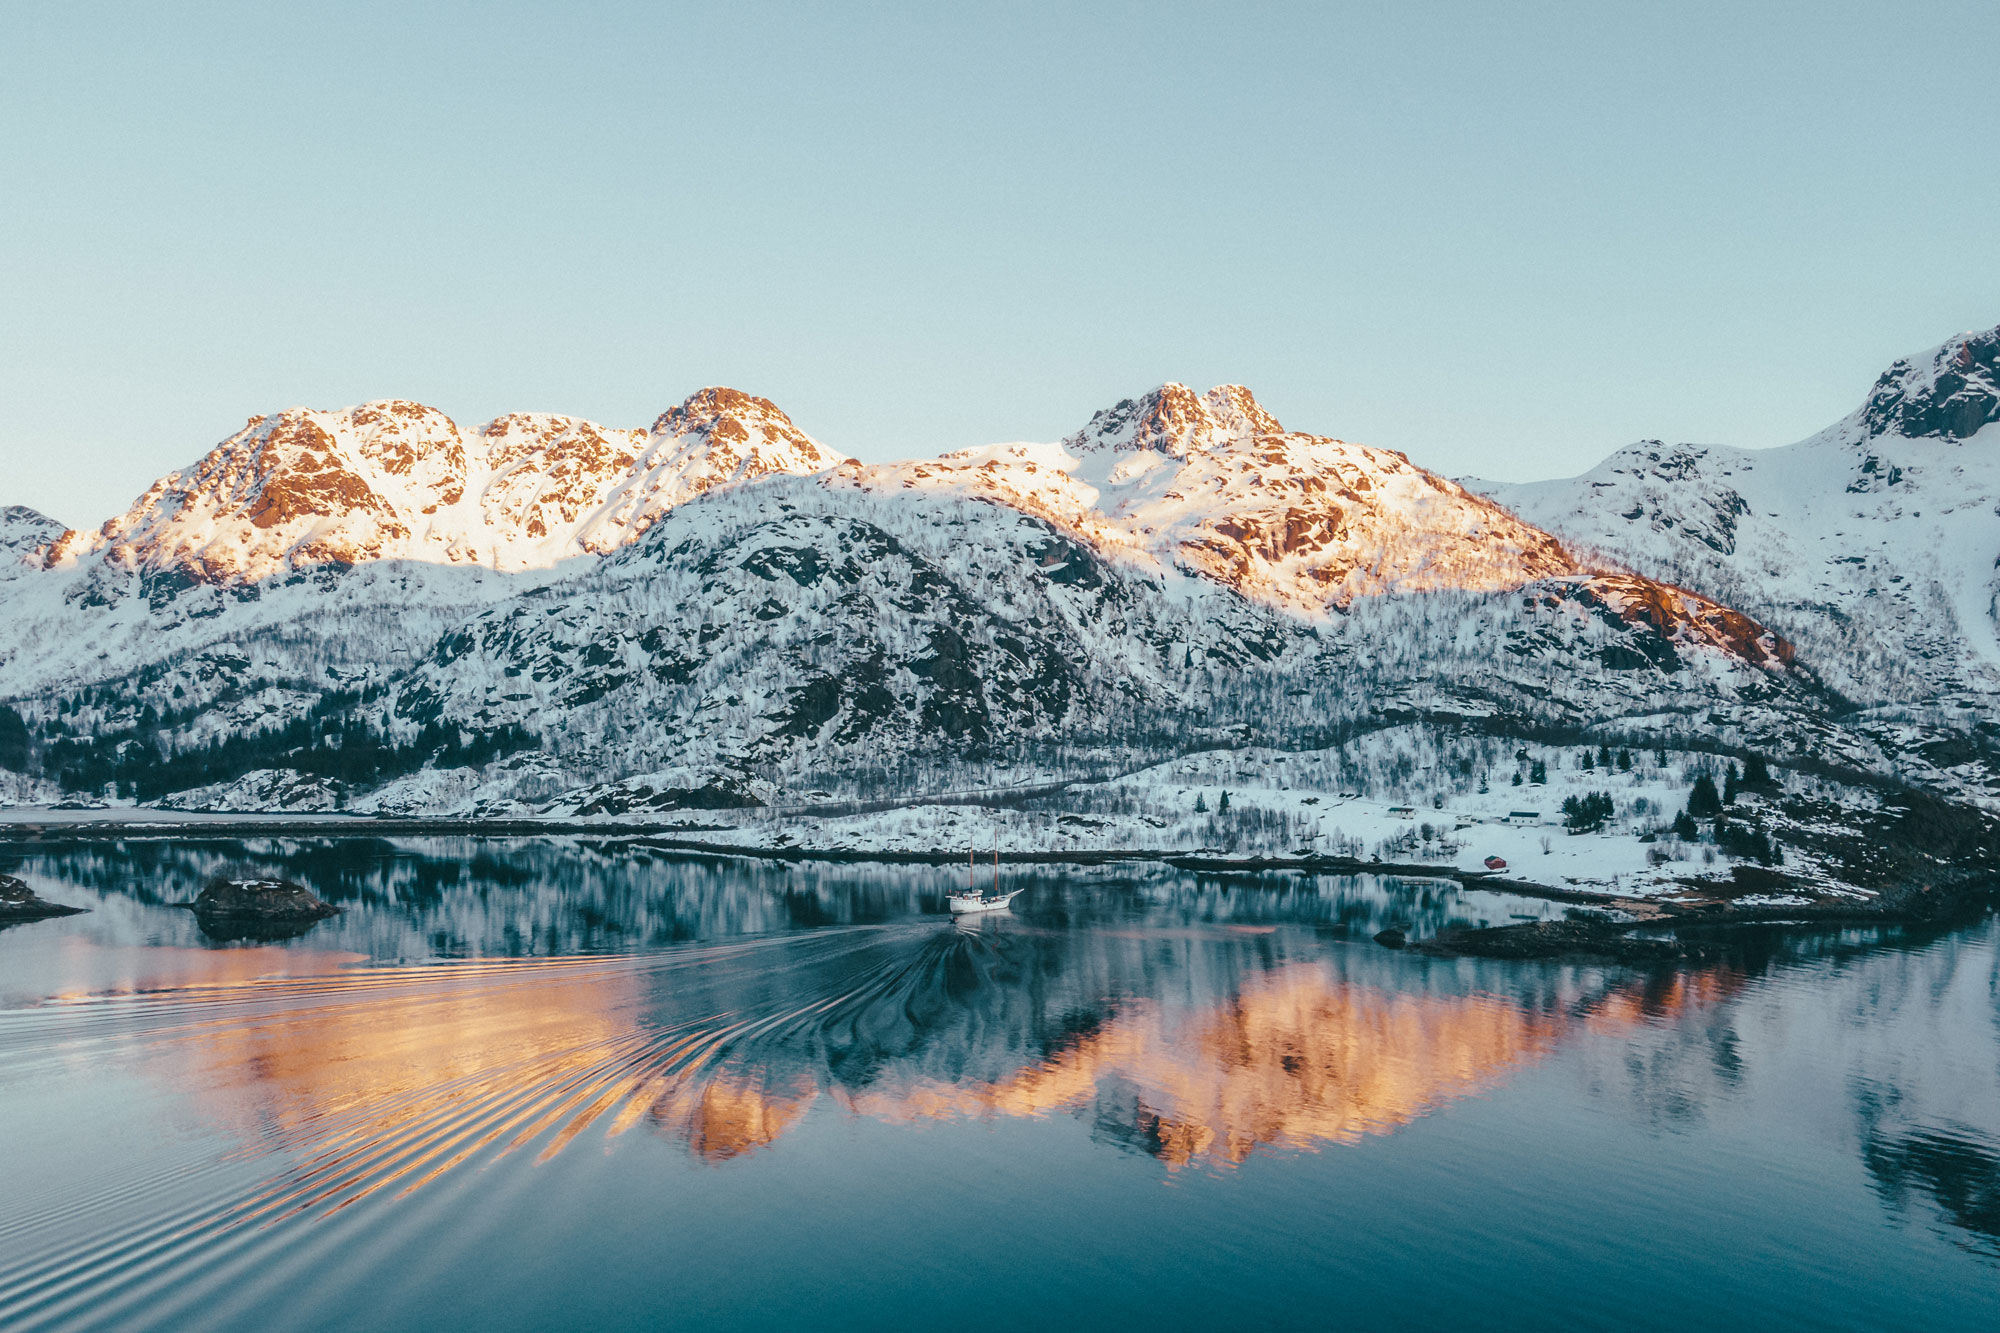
{"points": [[1505, 239]]}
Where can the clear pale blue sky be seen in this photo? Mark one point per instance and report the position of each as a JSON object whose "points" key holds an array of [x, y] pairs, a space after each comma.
{"points": [[1503, 238]]}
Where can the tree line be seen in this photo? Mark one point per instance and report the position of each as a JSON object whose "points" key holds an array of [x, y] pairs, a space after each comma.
{"points": [[141, 763]]}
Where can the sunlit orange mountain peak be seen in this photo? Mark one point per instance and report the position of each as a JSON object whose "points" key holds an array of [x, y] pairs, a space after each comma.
{"points": [[396, 480]]}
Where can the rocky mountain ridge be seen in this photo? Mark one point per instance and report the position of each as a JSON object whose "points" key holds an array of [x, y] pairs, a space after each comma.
{"points": [[396, 480], [1211, 485], [721, 610], [1873, 544]]}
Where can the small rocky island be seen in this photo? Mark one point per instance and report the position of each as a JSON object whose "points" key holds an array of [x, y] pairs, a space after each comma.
{"points": [[258, 909], [18, 902]]}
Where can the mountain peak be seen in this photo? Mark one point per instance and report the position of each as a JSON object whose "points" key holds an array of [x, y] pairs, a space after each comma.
{"points": [[1950, 393], [721, 411], [745, 436], [18, 523], [1174, 420], [25, 536]]}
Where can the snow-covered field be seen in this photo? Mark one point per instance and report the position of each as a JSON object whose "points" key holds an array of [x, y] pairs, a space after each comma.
{"points": [[1406, 796], [1376, 798]]}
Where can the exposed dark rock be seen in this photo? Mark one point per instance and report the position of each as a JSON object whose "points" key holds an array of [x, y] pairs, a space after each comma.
{"points": [[869, 701], [811, 707], [801, 563], [633, 795], [18, 902], [1552, 939], [1963, 395], [957, 704], [1061, 561], [260, 900], [1391, 938]]}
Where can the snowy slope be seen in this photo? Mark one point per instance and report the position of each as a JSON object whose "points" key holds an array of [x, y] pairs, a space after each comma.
{"points": [[400, 481], [802, 624], [1211, 484], [832, 632], [721, 610], [24, 536], [1875, 544], [357, 537]]}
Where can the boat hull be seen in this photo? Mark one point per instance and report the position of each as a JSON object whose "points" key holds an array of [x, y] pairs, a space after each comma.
{"points": [[968, 904]]}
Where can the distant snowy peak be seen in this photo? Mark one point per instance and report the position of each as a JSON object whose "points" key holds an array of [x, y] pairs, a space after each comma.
{"points": [[1948, 394], [1176, 421], [399, 480]]}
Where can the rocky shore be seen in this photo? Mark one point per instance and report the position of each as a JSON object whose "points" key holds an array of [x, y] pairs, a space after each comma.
{"points": [[18, 902], [1656, 932]]}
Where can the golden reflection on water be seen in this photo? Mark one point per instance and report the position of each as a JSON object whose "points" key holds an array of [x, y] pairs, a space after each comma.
{"points": [[1296, 1059], [727, 1117], [384, 1078]]}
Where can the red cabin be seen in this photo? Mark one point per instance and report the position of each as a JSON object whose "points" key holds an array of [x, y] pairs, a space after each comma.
{"points": [[1496, 863]]}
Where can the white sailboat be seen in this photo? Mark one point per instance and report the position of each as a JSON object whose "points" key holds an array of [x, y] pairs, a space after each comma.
{"points": [[972, 900]]}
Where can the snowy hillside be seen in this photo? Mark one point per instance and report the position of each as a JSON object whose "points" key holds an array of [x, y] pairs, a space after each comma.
{"points": [[1213, 485], [375, 610], [24, 536], [355, 538], [1874, 545], [400, 481], [833, 633]]}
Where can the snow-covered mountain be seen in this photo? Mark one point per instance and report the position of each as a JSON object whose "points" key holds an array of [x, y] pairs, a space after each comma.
{"points": [[721, 609], [819, 633], [397, 480], [25, 537], [1875, 544], [1179, 567], [1213, 485], [356, 537]]}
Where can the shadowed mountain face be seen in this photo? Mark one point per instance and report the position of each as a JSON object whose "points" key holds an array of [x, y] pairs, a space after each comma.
{"points": [[1951, 394], [1874, 546]]}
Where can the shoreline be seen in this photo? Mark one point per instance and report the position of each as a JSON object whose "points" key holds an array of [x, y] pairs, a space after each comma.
{"points": [[1644, 929], [25, 832]]}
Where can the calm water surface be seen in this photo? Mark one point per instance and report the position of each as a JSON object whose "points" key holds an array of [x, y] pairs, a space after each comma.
{"points": [[573, 1084]]}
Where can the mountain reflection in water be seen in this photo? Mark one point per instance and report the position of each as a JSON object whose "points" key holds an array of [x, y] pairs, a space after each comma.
{"points": [[1199, 1023], [386, 1078]]}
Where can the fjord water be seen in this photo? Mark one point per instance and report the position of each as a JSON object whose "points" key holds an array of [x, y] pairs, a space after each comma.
{"points": [[570, 1084]]}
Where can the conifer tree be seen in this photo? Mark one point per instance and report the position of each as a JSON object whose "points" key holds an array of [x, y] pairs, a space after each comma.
{"points": [[13, 740]]}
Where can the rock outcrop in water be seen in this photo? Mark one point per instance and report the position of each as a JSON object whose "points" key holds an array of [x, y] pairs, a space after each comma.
{"points": [[271, 901], [18, 902]]}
